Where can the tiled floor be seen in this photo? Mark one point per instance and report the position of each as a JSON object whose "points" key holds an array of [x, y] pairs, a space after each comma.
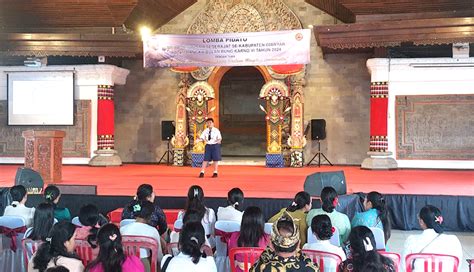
{"points": [[398, 237]]}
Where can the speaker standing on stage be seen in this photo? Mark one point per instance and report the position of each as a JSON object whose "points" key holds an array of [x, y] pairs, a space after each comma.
{"points": [[212, 137]]}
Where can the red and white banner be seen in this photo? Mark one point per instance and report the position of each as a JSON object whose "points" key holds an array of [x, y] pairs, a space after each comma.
{"points": [[228, 49]]}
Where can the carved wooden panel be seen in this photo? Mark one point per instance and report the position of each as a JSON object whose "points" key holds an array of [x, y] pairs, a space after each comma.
{"points": [[76, 143], [435, 127]]}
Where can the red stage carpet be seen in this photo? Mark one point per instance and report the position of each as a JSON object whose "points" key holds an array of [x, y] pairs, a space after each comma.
{"points": [[257, 181]]}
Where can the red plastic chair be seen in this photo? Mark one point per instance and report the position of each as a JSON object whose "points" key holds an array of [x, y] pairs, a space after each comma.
{"points": [[395, 257], [247, 255], [132, 244], [85, 251], [171, 216], [321, 257], [172, 249], [115, 216], [29, 248], [433, 261]]}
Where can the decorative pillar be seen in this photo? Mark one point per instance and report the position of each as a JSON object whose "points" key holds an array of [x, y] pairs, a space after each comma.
{"points": [[378, 147], [180, 139], [274, 92], [105, 153], [198, 96], [297, 140]]}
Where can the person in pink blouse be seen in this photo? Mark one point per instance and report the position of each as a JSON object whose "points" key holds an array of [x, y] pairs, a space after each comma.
{"points": [[252, 233], [111, 256]]}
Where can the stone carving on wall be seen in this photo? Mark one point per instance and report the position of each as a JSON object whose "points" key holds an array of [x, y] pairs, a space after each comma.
{"points": [[435, 127], [76, 143]]}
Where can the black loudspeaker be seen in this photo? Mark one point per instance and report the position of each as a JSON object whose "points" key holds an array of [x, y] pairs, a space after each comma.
{"points": [[315, 183], [167, 130], [318, 129], [29, 178]]}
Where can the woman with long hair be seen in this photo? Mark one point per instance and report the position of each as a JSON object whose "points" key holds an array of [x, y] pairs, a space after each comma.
{"points": [[52, 196], [323, 230], [191, 257], [375, 214], [195, 202], [432, 239], [158, 218], [251, 234], [330, 201], [111, 256], [235, 200], [57, 250], [42, 222], [17, 207], [297, 209], [365, 257]]}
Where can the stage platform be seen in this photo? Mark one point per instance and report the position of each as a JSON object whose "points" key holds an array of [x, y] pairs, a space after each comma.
{"points": [[256, 181]]}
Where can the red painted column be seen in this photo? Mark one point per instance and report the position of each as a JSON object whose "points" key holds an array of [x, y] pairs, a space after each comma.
{"points": [[378, 116], [105, 117]]}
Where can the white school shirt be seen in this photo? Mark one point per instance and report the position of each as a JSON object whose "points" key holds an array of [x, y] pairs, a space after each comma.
{"points": [[141, 229], [443, 244], [229, 213], [21, 210], [183, 262], [215, 136], [326, 246]]}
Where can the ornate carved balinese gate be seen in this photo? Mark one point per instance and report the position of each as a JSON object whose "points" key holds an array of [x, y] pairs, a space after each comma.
{"points": [[283, 93]]}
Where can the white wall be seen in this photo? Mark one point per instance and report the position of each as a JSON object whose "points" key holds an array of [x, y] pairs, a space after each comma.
{"points": [[87, 77], [427, 76]]}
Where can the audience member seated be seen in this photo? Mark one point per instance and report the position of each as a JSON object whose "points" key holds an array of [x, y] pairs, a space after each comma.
{"points": [[283, 253], [89, 218], [365, 257], [189, 216], [18, 208], [145, 193], [339, 220], [143, 211], [191, 257], [43, 222], [235, 199], [298, 209], [375, 215], [111, 256], [58, 250], [432, 240], [321, 227], [52, 195], [252, 233], [195, 201]]}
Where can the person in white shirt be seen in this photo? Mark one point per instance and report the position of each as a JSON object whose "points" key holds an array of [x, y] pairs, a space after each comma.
{"points": [[235, 199], [140, 227], [18, 208], [195, 203], [191, 257], [323, 230], [212, 137], [432, 239]]}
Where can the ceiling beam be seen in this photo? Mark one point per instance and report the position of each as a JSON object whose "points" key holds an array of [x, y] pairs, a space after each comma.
{"points": [[341, 37], [70, 44], [335, 9]]}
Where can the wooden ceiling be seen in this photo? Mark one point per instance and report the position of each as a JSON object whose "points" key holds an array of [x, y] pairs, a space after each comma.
{"points": [[350, 11], [24, 14], [81, 27]]}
